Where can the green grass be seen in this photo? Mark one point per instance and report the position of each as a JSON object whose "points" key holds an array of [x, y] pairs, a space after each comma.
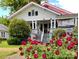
{"points": [[4, 54], [4, 44]]}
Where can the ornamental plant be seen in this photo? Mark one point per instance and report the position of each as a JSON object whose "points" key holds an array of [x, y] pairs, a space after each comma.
{"points": [[20, 30], [64, 47]]}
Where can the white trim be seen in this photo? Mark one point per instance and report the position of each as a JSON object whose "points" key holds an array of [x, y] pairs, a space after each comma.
{"points": [[54, 23], [32, 24], [14, 14], [51, 23]]}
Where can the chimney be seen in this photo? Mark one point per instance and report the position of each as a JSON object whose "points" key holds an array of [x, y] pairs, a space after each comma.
{"points": [[44, 1]]}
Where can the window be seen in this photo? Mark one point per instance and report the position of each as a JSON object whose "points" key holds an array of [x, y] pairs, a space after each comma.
{"points": [[29, 13], [3, 34], [33, 13], [36, 13]]}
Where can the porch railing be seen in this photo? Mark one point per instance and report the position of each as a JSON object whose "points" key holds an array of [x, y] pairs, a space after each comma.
{"points": [[42, 36]]}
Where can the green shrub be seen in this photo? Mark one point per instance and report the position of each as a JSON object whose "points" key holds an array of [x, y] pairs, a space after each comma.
{"points": [[75, 31], [19, 29], [14, 41], [11, 41], [58, 32]]}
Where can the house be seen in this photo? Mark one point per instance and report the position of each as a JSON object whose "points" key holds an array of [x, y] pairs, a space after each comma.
{"points": [[4, 32], [46, 17]]}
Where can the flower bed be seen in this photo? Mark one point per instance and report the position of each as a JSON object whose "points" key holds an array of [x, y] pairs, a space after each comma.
{"points": [[64, 47]]}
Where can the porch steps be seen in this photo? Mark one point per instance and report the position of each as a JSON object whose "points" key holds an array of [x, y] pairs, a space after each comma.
{"points": [[45, 38]]}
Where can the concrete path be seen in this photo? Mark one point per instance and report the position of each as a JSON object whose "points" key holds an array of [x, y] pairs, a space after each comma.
{"points": [[16, 56]]}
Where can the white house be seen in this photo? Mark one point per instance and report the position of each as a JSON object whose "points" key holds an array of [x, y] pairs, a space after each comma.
{"points": [[4, 32], [46, 17]]}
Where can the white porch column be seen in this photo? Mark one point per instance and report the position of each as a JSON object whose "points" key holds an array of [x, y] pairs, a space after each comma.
{"points": [[32, 24], [51, 24], [54, 23], [35, 24]]}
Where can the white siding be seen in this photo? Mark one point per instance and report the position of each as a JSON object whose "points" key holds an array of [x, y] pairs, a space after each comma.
{"points": [[42, 14]]}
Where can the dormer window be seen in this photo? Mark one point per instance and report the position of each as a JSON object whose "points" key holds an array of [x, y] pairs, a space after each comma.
{"points": [[29, 13], [36, 13], [33, 13]]}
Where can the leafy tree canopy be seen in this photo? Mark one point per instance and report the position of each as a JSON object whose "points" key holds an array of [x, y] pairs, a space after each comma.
{"points": [[4, 21], [16, 4]]}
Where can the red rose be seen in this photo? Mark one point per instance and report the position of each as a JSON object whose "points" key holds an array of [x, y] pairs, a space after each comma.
{"points": [[64, 34], [20, 48], [71, 45], [44, 56], [28, 49], [68, 38], [21, 53], [51, 41], [48, 48], [57, 52], [23, 43], [59, 42], [35, 55], [29, 39], [34, 42], [47, 44]]}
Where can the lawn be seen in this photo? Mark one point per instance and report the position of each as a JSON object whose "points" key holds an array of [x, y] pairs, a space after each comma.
{"points": [[4, 54], [7, 50], [4, 44]]}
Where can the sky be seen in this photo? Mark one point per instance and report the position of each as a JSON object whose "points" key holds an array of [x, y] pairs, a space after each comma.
{"points": [[70, 5]]}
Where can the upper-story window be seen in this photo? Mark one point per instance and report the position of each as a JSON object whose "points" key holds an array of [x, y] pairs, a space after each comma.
{"points": [[33, 13], [29, 13], [36, 13]]}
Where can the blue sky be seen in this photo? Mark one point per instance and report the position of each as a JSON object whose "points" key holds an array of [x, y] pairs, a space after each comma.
{"points": [[71, 5]]}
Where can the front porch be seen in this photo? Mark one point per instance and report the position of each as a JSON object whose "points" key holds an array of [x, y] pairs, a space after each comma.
{"points": [[42, 29]]}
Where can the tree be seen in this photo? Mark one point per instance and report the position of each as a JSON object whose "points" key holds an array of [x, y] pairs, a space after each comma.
{"points": [[4, 21], [19, 30], [16, 4]]}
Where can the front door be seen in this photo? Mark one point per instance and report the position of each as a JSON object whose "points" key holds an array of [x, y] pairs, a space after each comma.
{"points": [[45, 28]]}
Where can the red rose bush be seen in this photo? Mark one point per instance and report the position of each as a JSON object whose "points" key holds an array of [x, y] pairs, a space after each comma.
{"points": [[64, 47]]}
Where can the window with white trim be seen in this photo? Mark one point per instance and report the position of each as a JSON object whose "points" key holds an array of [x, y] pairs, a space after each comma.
{"points": [[33, 13], [2, 34]]}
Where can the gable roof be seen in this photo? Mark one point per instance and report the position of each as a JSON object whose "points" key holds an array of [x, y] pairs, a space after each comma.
{"points": [[46, 6], [3, 27], [29, 4], [56, 9]]}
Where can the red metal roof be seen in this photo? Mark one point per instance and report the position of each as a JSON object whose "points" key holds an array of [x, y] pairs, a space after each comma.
{"points": [[56, 9]]}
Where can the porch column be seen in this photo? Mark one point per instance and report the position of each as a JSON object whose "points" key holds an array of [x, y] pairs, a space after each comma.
{"points": [[54, 23], [32, 24], [51, 24], [35, 24]]}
